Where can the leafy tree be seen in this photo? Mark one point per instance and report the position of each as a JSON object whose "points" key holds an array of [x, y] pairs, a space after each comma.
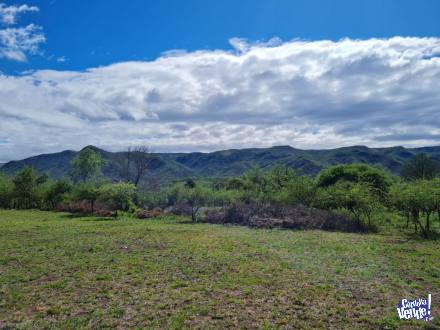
{"points": [[6, 192], [420, 167], [234, 184], [87, 164], [118, 196], [42, 179], [255, 180], [280, 176], [436, 190], [57, 192], [356, 198], [416, 199], [377, 179], [25, 188], [87, 192], [194, 197]]}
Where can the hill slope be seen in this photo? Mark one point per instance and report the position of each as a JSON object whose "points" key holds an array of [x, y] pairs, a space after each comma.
{"points": [[175, 166]]}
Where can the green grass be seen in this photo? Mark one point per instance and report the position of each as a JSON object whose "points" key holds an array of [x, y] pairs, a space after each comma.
{"points": [[58, 271]]}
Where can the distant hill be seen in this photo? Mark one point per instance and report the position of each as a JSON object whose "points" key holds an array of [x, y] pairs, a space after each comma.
{"points": [[177, 166]]}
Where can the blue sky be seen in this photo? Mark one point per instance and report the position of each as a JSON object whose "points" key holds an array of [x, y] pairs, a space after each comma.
{"points": [[209, 75], [100, 32]]}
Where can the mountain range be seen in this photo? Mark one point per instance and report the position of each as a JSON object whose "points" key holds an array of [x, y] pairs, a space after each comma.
{"points": [[177, 166]]}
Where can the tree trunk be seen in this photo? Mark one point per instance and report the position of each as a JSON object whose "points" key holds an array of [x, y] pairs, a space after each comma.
{"points": [[427, 221], [415, 216], [194, 214]]}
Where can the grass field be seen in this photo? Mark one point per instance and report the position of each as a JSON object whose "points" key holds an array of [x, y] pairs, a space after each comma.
{"points": [[59, 271]]}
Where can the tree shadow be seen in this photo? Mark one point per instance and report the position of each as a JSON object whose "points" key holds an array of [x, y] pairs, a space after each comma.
{"points": [[430, 236], [187, 222], [87, 217]]}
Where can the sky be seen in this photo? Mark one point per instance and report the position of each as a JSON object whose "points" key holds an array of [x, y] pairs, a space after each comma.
{"points": [[208, 75]]}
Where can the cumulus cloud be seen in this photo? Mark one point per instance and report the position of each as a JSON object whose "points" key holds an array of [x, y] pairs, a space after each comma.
{"points": [[17, 42], [9, 14], [317, 94]]}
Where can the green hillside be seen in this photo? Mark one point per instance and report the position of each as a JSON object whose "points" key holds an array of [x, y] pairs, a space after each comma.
{"points": [[175, 166]]}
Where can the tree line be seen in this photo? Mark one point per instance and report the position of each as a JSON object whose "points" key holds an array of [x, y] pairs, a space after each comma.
{"points": [[363, 192]]}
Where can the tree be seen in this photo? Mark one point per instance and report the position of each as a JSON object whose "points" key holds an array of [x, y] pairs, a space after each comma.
{"points": [[57, 191], [300, 191], [416, 199], [134, 163], [420, 167], [280, 176], [118, 196], [25, 188], [377, 179], [87, 164], [194, 197], [356, 198], [87, 192], [6, 192]]}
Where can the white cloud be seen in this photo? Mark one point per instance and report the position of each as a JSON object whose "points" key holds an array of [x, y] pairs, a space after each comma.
{"points": [[17, 42], [306, 94], [9, 14]]}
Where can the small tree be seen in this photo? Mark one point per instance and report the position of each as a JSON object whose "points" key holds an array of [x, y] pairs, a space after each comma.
{"points": [[87, 164], [134, 163], [25, 188], [57, 191], [416, 199], [358, 199], [118, 196], [300, 191], [420, 167], [195, 198], [87, 192], [377, 179], [6, 191]]}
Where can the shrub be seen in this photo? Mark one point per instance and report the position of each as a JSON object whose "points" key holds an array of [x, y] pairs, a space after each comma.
{"points": [[147, 214], [270, 216], [118, 196], [180, 209]]}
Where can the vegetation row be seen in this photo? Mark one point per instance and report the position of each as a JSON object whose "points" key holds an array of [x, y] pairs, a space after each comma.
{"points": [[353, 197]]}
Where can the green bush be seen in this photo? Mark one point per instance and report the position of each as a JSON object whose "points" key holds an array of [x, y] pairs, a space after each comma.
{"points": [[118, 196]]}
